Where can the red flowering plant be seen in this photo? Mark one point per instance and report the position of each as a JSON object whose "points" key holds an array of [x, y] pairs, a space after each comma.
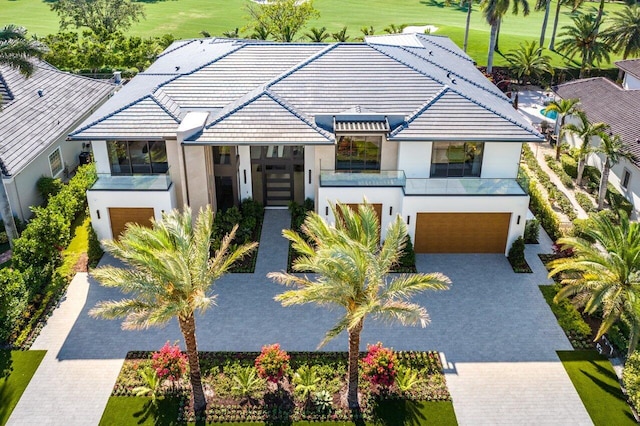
{"points": [[169, 362], [379, 366], [272, 363]]}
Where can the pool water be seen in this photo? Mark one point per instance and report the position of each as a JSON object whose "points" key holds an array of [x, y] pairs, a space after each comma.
{"points": [[551, 114]]}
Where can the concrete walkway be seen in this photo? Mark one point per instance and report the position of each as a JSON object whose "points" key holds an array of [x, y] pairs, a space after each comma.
{"points": [[493, 326]]}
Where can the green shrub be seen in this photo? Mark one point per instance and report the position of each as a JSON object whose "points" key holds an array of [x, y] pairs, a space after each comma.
{"points": [[4, 239], [94, 251], [591, 174], [568, 316], [585, 202], [631, 378], [569, 165], [13, 300], [618, 335], [531, 231], [408, 258], [516, 252], [617, 201], [543, 211], [43, 240], [48, 187]]}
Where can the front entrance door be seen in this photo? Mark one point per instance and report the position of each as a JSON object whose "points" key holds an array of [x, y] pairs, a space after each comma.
{"points": [[277, 172], [225, 172]]}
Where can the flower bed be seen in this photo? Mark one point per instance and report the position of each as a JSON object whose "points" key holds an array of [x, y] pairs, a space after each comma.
{"points": [[284, 401]]}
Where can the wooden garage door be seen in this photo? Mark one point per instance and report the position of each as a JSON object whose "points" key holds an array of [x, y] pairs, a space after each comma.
{"points": [[462, 232], [121, 216]]}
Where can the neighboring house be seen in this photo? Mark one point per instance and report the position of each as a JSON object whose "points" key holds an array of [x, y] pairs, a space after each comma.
{"points": [[37, 115], [605, 101], [406, 121]]}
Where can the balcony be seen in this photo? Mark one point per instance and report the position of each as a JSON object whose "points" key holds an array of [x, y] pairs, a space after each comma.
{"points": [[431, 186], [142, 182]]}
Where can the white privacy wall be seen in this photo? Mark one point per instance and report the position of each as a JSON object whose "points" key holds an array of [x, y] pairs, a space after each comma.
{"points": [[415, 159], [501, 159]]}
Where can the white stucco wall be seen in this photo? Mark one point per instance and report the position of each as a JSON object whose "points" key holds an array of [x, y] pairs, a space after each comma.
{"points": [[311, 177], [630, 82], [501, 160], [415, 159], [100, 201], [245, 189], [101, 157], [197, 176], [389, 155]]}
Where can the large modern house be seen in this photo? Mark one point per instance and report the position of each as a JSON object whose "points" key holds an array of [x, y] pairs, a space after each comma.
{"points": [[406, 121], [605, 101], [36, 115]]}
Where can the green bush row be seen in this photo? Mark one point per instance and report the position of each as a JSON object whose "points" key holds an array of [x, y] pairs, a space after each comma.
{"points": [[586, 202], [569, 165], [559, 171], [631, 378], [568, 317], [532, 231]]}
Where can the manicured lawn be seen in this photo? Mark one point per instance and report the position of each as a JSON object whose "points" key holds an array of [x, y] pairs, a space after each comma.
{"points": [[598, 387], [124, 410], [79, 244], [22, 365], [186, 18]]}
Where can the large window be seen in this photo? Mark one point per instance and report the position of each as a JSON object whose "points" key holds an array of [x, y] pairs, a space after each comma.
{"points": [[456, 159], [358, 153], [137, 157]]}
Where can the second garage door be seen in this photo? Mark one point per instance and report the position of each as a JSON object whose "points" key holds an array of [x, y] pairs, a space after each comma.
{"points": [[119, 218], [462, 232]]}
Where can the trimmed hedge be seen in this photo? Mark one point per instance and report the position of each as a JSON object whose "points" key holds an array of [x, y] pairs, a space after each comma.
{"points": [[586, 202], [531, 231], [559, 171], [569, 319], [569, 165], [631, 378], [13, 300]]}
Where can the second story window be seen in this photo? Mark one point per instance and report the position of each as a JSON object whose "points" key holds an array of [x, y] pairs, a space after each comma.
{"points": [[137, 157], [456, 159], [358, 153]]}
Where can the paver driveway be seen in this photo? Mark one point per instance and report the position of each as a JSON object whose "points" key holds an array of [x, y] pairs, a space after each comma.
{"points": [[493, 326]]}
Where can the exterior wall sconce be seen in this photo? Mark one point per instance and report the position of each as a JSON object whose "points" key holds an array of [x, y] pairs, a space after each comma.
{"points": [[390, 210], [98, 213], [326, 211], [408, 220], [518, 222]]}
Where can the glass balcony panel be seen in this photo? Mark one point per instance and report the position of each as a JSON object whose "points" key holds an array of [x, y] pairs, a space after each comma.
{"points": [[142, 182], [346, 179], [463, 186]]}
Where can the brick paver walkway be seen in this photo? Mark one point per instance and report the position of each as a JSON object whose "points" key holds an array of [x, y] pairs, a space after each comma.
{"points": [[493, 326]]}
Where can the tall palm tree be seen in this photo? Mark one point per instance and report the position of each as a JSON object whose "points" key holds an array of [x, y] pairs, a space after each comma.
{"points": [[16, 52], [575, 4], [614, 151], [586, 130], [546, 4], [352, 273], [623, 33], [564, 108], [493, 11], [467, 25], [527, 62], [170, 273], [608, 273], [582, 38]]}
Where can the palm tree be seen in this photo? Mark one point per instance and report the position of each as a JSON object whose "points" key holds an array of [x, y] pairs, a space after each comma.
{"points": [[260, 32], [586, 130], [582, 38], [608, 273], [527, 62], [352, 272], [318, 35], [170, 273], [467, 25], [494, 11], [16, 52], [341, 36], [546, 4], [575, 4], [564, 108], [613, 150], [623, 33]]}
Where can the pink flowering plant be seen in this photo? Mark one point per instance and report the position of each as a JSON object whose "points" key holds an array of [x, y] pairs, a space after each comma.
{"points": [[379, 366], [272, 363], [169, 362]]}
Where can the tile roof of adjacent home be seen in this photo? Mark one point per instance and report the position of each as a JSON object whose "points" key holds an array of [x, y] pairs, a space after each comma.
{"points": [[631, 66], [266, 92], [605, 101], [37, 111]]}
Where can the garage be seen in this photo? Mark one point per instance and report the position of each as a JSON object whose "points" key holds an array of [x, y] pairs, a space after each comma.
{"points": [[462, 232], [121, 216]]}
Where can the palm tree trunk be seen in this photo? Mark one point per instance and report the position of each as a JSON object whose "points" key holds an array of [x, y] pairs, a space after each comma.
{"points": [[492, 43], [466, 28], [559, 141], [555, 27], [545, 20], [354, 354], [7, 214], [580, 171], [604, 180], [599, 16], [188, 329], [496, 47]]}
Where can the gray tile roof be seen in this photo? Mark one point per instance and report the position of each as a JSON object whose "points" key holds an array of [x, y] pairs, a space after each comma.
{"points": [[631, 66], [394, 75], [29, 123], [604, 101]]}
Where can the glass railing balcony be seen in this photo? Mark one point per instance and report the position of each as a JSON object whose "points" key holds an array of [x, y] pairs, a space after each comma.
{"points": [[346, 179], [141, 182], [463, 186]]}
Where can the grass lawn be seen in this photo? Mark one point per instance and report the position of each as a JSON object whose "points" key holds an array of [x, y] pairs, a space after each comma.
{"points": [[186, 18], [79, 244], [124, 410], [598, 387], [22, 364]]}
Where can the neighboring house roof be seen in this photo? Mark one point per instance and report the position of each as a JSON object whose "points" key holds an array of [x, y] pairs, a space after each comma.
{"points": [[38, 110], [266, 92], [604, 101], [630, 66]]}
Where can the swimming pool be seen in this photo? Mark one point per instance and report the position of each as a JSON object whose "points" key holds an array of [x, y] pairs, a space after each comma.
{"points": [[550, 114]]}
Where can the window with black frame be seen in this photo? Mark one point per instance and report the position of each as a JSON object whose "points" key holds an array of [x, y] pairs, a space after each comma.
{"points": [[358, 153], [137, 157], [456, 159]]}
